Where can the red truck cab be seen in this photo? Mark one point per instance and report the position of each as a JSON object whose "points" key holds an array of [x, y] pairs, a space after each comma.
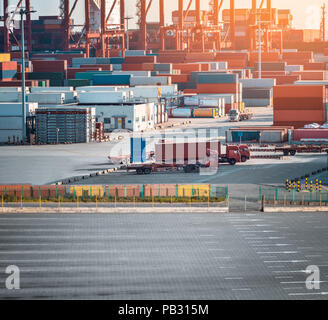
{"points": [[244, 152]]}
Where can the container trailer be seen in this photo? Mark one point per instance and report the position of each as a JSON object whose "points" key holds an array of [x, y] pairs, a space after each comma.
{"points": [[191, 156]]}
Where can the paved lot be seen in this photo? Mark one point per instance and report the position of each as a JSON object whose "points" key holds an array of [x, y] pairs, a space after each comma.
{"points": [[49, 163], [163, 256]]}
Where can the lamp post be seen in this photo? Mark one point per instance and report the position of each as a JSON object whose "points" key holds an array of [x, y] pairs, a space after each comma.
{"points": [[23, 12], [127, 32], [57, 133]]}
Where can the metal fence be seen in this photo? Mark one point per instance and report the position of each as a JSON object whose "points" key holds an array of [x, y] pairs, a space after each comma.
{"points": [[292, 197], [111, 193]]}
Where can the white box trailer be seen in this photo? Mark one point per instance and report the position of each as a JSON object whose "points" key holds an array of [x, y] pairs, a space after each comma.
{"points": [[258, 83], [11, 89], [144, 81], [98, 88], [13, 96], [102, 97], [15, 108], [46, 98], [51, 89], [135, 73]]}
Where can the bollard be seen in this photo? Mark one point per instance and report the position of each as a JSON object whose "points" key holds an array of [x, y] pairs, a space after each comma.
{"points": [[115, 201], [96, 202], [2, 201], [134, 202], [245, 203], [77, 201], [21, 202], [285, 200], [40, 202]]}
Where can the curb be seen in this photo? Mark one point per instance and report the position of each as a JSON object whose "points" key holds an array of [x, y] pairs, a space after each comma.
{"points": [[117, 210], [91, 175], [295, 209]]}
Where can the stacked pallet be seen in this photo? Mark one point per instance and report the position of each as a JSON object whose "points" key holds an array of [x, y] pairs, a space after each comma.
{"points": [[65, 125]]}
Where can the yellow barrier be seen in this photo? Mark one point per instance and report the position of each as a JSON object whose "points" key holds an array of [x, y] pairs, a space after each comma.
{"points": [[4, 57], [197, 190], [88, 191]]}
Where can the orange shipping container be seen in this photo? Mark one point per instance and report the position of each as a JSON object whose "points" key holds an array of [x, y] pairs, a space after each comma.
{"points": [[180, 78], [311, 75], [298, 103], [187, 67], [299, 115], [290, 91]]}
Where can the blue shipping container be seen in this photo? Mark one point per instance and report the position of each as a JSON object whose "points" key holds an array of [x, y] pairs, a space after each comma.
{"points": [[138, 150], [121, 79]]}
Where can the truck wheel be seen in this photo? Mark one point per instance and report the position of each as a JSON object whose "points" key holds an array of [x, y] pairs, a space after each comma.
{"points": [[292, 152], [140, 171], [187, 169], [147, 171], [232, 161], [243, 158]]}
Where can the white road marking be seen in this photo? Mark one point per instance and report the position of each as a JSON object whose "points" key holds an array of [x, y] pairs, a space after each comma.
{"points": [[277, 252], [287, 261], [234, 278]]}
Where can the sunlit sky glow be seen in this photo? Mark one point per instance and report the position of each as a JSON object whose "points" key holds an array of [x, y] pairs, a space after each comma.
{"points": [[306, 12]]}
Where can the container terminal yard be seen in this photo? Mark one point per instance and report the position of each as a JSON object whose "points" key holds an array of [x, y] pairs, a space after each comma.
{"points": [[187, 156]]}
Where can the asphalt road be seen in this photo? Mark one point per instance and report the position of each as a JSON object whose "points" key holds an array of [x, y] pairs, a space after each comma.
{"points": [[163, 256]]}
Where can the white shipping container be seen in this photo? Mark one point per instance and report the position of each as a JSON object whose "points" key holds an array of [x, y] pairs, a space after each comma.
{"points": [[133, 73], [10, 89], [102, 97], [181, 113], [46, 98], [11, 123], [15, 109], [135, 53], [258, 83], [144, 92], [292, 68], [191, 100], [144, 81], [10, 96], [52, 89]]}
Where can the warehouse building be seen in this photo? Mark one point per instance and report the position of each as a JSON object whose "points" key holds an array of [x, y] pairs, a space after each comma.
{"points": [[130, 116]]}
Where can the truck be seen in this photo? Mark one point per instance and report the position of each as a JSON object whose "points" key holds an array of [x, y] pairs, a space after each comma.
{"points": [[235, 115], [191, 156], [293, 149]]}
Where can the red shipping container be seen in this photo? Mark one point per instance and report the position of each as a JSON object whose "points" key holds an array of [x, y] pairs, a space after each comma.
{"points": [[187, 68], [315, 66], [180, 78], [310, 134], [140, 59], [49, 65]]}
